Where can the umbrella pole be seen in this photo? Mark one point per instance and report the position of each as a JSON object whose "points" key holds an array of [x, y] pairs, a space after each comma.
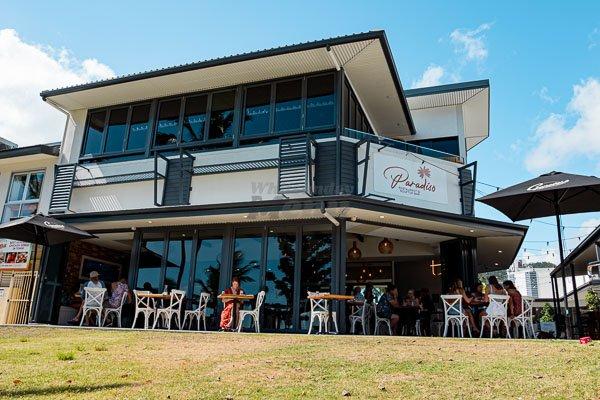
{"points": [[31, 283], [564, 280]]}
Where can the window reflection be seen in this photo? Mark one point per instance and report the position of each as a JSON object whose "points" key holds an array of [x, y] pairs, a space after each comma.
{"points": [[167, 126], [315, 275], [139, 127], [150, 263], [221, 116], [179, 261], [194, 119], [246, 260], [288, 105], [257, 112], [319, 101], [279, 279], [208, 271], [115, 133], [95, 131]]}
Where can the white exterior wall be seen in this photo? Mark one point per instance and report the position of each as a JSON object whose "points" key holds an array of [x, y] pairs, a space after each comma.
{"points": [[28, 164], [440, 122]]}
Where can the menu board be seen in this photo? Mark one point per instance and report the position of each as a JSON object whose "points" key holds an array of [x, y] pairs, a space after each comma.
{"points": [[14, 254]]}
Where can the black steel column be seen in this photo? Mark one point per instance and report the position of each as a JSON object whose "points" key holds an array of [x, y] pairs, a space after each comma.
{"points": [[568, 331], [576, 299], [554, 298]]}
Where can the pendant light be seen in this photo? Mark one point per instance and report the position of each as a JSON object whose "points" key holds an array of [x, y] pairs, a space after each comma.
{"points": [[386, 246], [354, 252]]}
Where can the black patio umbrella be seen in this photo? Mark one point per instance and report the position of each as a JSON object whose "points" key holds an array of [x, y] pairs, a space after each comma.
{"points": [[43, 230], [552, 194]]}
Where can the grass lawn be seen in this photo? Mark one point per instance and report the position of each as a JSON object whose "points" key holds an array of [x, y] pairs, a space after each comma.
{"points": [[99, 364]]}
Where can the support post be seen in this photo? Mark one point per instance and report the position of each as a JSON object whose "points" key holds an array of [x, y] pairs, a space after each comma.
{"points": [[568, 331], [576, 299]]}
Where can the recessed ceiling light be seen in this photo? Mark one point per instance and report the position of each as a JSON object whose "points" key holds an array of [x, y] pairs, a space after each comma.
{"points": [[149, 221], [499, 251], [471, 230], [496, 264], [382, 216], [245, 216]]}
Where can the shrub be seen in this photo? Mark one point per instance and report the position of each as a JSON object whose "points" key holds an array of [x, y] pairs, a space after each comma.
{"points": [[593, 300], [100, 347], [66, 356], [547, 314]]}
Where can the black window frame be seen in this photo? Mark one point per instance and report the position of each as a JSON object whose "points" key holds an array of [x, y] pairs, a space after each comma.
{"points": [[238, 139], [124, 152]]}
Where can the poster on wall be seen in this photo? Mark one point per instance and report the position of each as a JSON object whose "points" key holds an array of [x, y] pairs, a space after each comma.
{"points": [[14, 254], [400, 177]]}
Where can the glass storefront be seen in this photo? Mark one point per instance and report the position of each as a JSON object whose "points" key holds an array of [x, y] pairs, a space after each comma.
{"points": [[263, 257]]}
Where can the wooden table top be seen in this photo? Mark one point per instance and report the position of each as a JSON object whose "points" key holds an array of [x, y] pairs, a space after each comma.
{"points": [[162, 296], [329, 296], [224, 296]]}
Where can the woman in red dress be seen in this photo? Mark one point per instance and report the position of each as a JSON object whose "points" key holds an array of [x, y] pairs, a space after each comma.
{"points": [[230, 306]]}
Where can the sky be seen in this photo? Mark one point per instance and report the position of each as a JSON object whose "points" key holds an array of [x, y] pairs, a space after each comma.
{"points": [[542, 59]]}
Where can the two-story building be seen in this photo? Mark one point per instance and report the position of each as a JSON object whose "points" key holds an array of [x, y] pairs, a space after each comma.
{"points": [[303, 167]]}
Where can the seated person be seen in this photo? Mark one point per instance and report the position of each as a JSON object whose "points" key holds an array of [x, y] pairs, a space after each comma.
{"points": [[357, 293], [478, 294], [94, 282], [514, 299], [368, 293], [411, 300], [116, 293], [230, 306], [386, 302], [457, 288], [427, 308]]}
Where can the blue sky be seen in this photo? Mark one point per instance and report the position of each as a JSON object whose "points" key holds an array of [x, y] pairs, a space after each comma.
{"points": [[542, 59]]}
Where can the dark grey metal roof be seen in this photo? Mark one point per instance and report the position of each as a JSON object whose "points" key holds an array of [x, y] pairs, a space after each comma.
{"points": [[453, 87], [51, 149]]}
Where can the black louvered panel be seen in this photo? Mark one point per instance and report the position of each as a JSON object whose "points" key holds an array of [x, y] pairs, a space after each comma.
{"points": [[294, 165], [326, 168], [467, 178], [64, 175], [178, 182]]}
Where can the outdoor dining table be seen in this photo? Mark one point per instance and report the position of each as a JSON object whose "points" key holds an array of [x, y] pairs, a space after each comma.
{"points": [[330, 297], [237, 298]]}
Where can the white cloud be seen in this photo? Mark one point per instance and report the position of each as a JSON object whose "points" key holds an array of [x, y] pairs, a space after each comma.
{"points": [[25, 70], [557, 141], [587, 227], [432, 76], [544, 94], [471, 43]]}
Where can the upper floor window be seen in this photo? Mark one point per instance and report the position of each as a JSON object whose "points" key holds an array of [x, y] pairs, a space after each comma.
{"points": [[23, 195], [221, 115], [117, 130], [447, 145], [257, 114], [211, 120]]}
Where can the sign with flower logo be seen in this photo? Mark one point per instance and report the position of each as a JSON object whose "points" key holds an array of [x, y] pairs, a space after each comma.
{"points": [[400, 177]]}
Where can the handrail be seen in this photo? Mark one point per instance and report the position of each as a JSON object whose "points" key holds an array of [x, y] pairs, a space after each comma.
{"points": [[401, 145]]}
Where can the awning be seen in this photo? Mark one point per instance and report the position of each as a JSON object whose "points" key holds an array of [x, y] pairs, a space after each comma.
{"points": [[586, 252], [497, 242], [29, 153], [363, 56]]}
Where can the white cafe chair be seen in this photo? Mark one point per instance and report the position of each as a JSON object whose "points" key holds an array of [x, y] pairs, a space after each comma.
{"points": [[319, 311], [143, 305], [115, 310], [254, 314], [172, 310], [92, 302], [199, 313], [380, 320], [525, 319], [454, 315], [360, 315], [498, 313]]}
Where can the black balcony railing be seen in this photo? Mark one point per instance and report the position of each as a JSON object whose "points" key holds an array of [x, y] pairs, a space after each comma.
{"points": [[401, 145]]}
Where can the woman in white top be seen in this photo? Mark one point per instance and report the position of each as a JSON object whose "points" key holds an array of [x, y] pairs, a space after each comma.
{"points": [[94, 282], [494, 287]]}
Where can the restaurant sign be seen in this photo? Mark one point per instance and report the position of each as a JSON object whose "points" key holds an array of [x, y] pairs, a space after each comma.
{"points": [[14, 254], [400, 177]]}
